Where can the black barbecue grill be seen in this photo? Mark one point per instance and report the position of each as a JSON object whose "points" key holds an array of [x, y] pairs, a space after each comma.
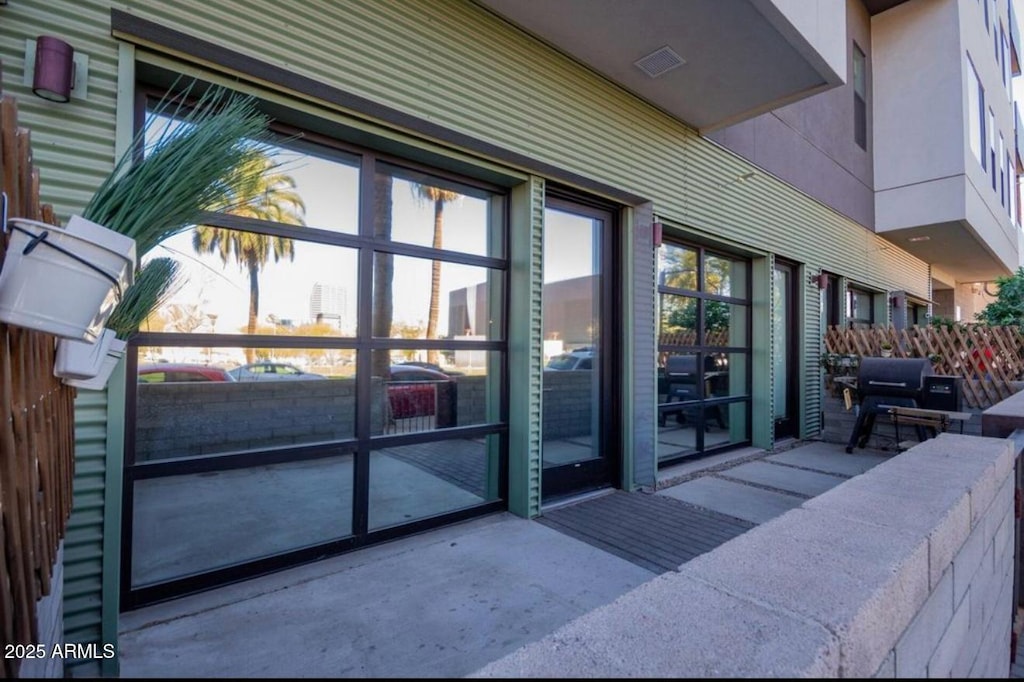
{"points": [[883, 383]]}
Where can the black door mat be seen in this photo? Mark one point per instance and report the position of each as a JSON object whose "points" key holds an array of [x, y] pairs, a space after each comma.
{"points": [[654, 531]]}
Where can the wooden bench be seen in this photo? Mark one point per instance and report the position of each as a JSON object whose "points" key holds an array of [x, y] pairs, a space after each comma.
{"points": [[937, 420]]}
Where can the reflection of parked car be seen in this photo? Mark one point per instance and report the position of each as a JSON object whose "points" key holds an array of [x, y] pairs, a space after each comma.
{"points": [[413, 391], [271, 371], [430, 365], [166, 372], [576, 359]]}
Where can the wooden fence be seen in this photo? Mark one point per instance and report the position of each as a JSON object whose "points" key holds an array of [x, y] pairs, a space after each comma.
{"points": [[989, 359], [37, 434]]}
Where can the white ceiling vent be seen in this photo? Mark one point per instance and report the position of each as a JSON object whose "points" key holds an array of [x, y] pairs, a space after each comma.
{"points": [[659, 62]]}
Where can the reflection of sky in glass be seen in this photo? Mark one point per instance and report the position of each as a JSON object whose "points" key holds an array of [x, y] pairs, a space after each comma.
{"points": [[568, 246], [329, 190]]}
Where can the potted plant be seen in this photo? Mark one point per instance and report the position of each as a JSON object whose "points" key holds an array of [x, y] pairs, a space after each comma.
{"points": [[886, 349], [185, 161]]}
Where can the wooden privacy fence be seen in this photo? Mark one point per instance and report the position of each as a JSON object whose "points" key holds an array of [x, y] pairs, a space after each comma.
{"points": [[37, 435], [989, 359]]}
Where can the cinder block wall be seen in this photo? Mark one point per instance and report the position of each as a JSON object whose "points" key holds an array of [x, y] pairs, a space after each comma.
{"points": [[905, 571]]}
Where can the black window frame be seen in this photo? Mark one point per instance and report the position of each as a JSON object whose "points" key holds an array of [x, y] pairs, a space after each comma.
{"points": [[363, 343]]}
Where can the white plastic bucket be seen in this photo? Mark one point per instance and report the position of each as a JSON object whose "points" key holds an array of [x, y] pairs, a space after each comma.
{"points": [[110, 360], [66, 284], [81, 359]]}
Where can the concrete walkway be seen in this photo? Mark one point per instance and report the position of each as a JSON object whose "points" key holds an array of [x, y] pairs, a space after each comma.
{"points": [[446, 602]]}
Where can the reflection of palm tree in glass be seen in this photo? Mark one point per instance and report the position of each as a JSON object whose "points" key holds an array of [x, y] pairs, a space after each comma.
{"points": [[440, 197], [262, 195]]}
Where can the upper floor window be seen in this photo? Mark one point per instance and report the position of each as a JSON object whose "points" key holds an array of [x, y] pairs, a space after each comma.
{"points": [[860, 311], [985, 3], [1002, 171], [991, 134], [976, 113], [860, 107]]}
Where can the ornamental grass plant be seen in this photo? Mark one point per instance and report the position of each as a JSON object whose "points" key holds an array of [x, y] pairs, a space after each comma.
{"points": [[186, 160], [183, 162]]}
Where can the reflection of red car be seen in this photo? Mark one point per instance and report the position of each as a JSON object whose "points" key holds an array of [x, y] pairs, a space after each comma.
{"points": [[412, 390], [164, 372]]}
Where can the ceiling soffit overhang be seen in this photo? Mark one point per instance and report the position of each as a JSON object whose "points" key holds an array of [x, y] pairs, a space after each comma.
{"points": [[737, 59]]}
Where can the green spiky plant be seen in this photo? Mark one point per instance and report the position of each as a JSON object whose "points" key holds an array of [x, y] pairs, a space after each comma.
{"points": [[156, 282], [184, 162]]}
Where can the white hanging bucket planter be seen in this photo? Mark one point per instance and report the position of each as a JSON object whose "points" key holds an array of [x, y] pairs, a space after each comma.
{"points": [[81, 359], [61, 282], [97, 383]]}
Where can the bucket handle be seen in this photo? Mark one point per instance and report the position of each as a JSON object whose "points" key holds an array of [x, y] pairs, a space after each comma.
{"points": [[37, 239]]}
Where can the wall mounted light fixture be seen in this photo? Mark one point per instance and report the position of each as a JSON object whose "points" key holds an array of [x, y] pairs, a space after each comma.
{"points": [[54, 75], [821, 280], [656, 234]]}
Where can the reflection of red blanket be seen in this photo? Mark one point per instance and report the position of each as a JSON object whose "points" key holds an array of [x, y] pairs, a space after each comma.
{"points": [[981, 363]]}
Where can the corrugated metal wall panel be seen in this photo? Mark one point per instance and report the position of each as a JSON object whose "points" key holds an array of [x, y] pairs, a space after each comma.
{"points": [[536, 356], [643, 401], [69, 173], [83, 555], [810, 384], [470, 71]]}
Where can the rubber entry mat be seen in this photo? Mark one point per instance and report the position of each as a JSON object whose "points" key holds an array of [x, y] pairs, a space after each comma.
{"points": [[653, 531]]}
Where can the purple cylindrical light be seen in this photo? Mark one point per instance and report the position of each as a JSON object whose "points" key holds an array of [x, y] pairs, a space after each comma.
{"points": [[54, 73]]}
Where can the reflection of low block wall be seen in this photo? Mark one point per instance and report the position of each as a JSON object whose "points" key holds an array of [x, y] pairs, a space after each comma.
{"points": [[187, 419], [568, 403]]}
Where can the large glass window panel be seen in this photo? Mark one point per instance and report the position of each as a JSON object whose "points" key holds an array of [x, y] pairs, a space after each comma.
{"points": [[677, 267], [725, 276], [437, 300], [725, 375], [411, 482], [323, 183], [410, 393], [431, 211], [678, 318], [294, 287], [190, 523], [571, 327], [193, 401], [725, 324]]}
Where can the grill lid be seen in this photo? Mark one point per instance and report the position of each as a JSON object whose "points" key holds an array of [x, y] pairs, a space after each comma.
{"points": [[892, 376]]}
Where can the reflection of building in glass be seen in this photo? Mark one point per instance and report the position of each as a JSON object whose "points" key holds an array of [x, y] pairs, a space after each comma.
{"points": [[467, 311], [569, 310], [569, 314], [328, 303]]}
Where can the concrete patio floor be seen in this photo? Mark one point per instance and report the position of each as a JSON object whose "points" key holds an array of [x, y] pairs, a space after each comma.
{"points": [[446, 602]]}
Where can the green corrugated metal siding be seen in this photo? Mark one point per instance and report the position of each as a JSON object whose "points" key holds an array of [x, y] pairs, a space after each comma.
{"points": [[810, 383], [83, 565], [641, 403], [535, 353], [70, 173], [470, 71], [525, 343]]}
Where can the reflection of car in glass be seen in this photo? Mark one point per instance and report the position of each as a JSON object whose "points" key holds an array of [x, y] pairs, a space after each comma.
{"points": [[412, 390], [271, 371], [575, 359], [430, 365], [166, 372]]}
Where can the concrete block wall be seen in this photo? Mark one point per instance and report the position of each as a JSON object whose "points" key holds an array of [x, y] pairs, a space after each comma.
{"points": [[903, 571]]}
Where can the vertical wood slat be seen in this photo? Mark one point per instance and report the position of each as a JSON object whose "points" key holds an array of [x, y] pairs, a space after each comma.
{"points": [[36, 426], [990, 360]]}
